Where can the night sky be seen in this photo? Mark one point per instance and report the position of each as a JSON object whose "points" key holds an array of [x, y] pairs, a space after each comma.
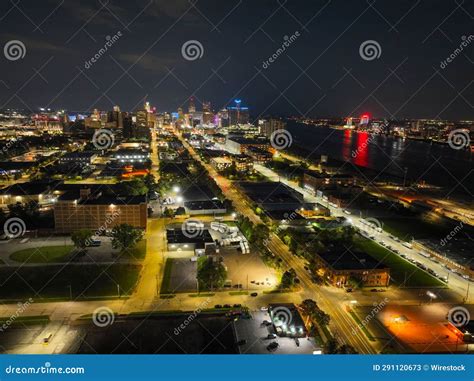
{"points": [[320, 74]]}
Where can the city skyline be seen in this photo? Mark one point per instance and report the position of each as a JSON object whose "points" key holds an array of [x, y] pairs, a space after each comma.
{"points": [[284, 60]]}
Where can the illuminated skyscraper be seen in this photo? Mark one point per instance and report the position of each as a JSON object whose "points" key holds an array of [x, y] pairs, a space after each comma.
{"points": [[238, 114]]}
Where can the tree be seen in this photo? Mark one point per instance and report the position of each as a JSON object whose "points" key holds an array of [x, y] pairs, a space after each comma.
{"points": [[354, 282], [82, 239], [134, 187], [125, 236], [210, 274], [346, 349], [331, 346], [288, 279]]}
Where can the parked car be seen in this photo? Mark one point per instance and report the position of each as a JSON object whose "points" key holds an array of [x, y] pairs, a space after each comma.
{"points": [[264, 309], [348, 289], [242, 342], [237, 305], [253, 294], [218, 306], [271, 336], [272, 347]]}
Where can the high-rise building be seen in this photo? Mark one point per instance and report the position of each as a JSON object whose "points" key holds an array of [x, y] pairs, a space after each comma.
{"points": [[207, 115], [238, 114], [268, 127]]}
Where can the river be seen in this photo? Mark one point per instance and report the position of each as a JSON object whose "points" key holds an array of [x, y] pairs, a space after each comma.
{"points": [[434, 163]]}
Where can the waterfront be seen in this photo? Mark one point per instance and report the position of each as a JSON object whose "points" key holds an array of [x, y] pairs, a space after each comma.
{"points": [[434, 163]]}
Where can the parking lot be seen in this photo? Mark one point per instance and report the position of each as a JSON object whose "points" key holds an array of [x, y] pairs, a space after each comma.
{"points": [[249, 271], [257, 340]]}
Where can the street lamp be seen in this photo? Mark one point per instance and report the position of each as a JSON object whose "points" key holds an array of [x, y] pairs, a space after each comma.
{"points": [[176, 189]]}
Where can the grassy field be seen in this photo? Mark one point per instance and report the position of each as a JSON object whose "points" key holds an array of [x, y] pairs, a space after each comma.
{"points": [[399, 268], [165, 284], [55, 281], [45, 254], [138, 252]]}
